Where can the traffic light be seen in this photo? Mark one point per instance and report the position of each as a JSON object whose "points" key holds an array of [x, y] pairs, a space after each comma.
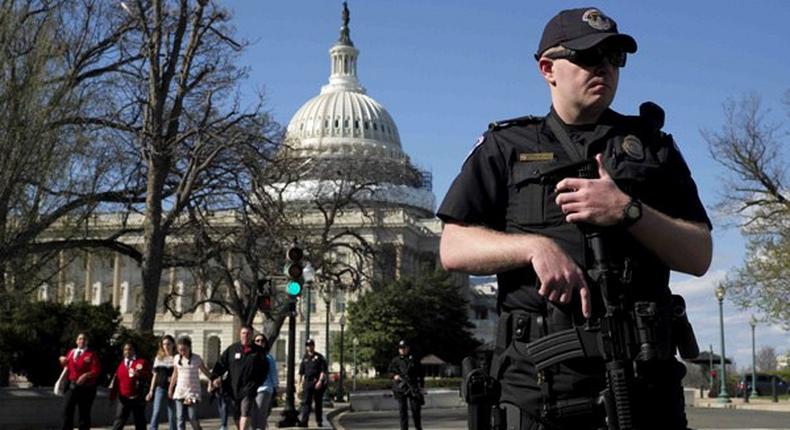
{"points": [[293, 270], [263, 296]]}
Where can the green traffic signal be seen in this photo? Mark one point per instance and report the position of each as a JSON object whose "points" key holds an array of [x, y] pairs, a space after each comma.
{"points": [[294, 288]]}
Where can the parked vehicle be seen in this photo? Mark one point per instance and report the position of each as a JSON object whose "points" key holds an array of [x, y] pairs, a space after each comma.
{"points": [[763, 386]]}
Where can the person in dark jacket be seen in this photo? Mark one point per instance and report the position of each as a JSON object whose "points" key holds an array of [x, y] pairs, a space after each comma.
{"points": [[246, 366], [408, 381]]}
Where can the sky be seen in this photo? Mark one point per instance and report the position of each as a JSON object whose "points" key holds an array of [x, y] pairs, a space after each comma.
{"points": [[444, 69]]}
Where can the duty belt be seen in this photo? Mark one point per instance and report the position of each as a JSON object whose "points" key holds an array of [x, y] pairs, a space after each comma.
{"points": [[518, 326]]}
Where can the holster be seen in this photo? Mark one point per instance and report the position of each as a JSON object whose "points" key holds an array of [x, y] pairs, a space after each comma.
{"points": [[480, 392]]}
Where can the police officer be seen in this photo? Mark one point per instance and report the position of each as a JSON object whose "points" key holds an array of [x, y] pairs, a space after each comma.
{"points": [[313, 377], [503, 217], [408, 380]]}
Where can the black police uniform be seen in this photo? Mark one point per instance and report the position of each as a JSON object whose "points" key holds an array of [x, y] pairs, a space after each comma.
{"points": [[311, 369], [407, 391], [501, 187]]}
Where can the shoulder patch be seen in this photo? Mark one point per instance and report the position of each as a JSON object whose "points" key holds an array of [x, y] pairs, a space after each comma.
{"points": [[480, 140], [529, 119]]}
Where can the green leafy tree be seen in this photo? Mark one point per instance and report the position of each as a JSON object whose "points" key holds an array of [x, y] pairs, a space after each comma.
{"points": [[755, 195], [429, 311], [35, 334]]}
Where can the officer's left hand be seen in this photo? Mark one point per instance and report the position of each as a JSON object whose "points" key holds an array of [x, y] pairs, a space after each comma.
{"points": [[593, 201]]}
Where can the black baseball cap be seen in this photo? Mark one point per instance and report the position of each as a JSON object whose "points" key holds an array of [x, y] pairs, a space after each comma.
{"points": [[310, 342], [403, 344], [581, 29]]}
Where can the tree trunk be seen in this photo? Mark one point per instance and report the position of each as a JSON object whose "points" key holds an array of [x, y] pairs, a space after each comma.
{"points": [[153, 248]]}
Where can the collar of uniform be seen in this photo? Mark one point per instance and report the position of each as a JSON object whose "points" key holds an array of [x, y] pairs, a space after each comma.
{"points": [[604, 126]]}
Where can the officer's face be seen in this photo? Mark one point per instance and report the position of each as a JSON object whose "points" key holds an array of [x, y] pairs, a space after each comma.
{"points": [[581, 88], [403, 350]]}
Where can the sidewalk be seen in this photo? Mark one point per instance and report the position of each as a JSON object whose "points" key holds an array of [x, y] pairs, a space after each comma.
{"points": [[760, 404], [274, 418]]}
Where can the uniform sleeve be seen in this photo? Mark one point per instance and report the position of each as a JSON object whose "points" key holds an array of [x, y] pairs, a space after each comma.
{"points": [[680, 198], [324, 366], [393, 369], [478, 195]]}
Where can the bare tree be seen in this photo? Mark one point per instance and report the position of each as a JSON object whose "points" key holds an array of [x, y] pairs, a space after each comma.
{"points": [[56, 59], [174, 106], [766, 359], [755, 194], [278, 197]]}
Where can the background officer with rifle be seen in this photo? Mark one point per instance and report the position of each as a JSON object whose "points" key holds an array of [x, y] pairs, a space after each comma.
{"points": [[581, 213], [408, 381]]}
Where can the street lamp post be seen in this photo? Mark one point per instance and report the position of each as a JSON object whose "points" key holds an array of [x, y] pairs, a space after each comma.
{"points": [[753, 323], [339, 392], [309, 275], [327, 301], [354, 344], [710, 370], [723, 396]]}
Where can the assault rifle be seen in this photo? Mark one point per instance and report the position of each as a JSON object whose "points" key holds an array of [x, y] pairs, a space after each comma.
{"points": [[623, 334], [405, 388]]}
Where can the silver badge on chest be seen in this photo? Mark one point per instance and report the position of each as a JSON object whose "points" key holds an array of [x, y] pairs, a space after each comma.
{"points": [[633, 147]]}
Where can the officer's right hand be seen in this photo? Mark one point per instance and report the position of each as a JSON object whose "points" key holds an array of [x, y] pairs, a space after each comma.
{"points": [[396, 378], [559, 274]]}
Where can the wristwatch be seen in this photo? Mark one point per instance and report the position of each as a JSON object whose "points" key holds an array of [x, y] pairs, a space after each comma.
{"points": [[632, 212]]}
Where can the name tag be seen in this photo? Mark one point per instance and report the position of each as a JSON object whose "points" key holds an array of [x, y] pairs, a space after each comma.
{"points": [[536, 156], [238, 356]]}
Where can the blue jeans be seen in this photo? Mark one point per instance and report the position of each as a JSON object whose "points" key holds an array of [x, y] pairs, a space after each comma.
{"points": [[224, 405], [160, 394], [187, 412]]}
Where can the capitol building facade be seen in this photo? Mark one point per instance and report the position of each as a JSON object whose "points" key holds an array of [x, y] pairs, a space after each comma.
{"points": [[340, 129]]}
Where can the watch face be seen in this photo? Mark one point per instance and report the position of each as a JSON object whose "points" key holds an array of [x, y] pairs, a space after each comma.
{"points": [[633, 212]]}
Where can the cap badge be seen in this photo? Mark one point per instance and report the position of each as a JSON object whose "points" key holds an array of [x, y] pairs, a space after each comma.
{"points": [[597, 20], [633, 147]]}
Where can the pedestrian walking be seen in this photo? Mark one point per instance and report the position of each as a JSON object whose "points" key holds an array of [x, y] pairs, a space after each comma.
{"points": [[160, 382], [129, 388], [82, 368], [267, 391], [246, 366], [185, 387]]}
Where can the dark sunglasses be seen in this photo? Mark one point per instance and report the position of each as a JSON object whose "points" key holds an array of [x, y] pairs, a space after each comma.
{"points": [[258, 340], [590, 57]]}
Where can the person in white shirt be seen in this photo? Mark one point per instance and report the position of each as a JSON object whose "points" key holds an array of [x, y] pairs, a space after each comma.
{"points": [[185, 384]]}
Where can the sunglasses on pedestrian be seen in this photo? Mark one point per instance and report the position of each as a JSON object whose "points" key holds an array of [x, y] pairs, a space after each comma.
{"points": [[590, 57], [259, 340]]}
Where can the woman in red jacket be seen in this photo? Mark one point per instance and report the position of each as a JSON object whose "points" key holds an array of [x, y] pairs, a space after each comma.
{"points": [[82, 367]]}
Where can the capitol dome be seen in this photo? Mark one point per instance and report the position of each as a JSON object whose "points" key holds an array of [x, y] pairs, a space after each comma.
{"points": [[343, 119], [343, 128]]}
